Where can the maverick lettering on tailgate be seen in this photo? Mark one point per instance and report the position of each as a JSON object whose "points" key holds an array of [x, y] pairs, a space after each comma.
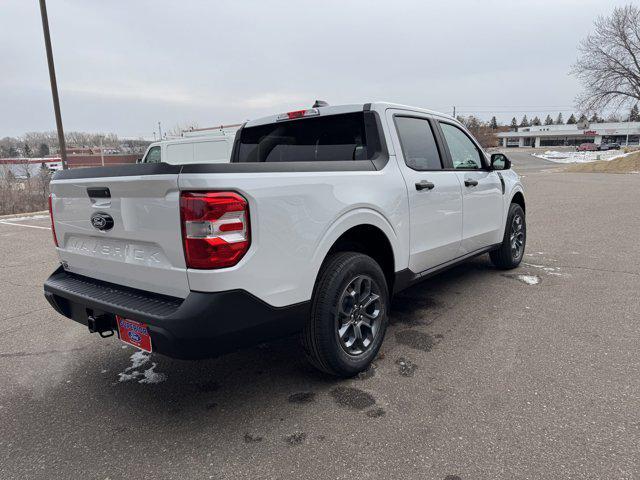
{"points": [[117, 250]]}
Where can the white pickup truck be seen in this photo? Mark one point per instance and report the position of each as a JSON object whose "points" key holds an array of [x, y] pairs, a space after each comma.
{"points": [[321, 215]]}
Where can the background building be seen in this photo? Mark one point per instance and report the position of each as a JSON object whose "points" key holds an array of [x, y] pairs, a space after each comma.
{"points": [[575, 134]]}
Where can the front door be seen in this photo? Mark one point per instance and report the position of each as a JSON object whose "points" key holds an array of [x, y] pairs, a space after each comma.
{"points": [[483, 205], [435, 197]]}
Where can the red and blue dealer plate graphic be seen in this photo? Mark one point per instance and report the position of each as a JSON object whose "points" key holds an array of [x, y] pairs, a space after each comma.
{"points": [[134, 333]]}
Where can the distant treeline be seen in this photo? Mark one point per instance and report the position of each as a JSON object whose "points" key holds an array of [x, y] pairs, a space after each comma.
{"points": [[41, 144]]}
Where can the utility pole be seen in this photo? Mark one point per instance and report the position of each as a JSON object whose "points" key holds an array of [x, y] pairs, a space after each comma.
{"points": [[101, 152], [628, 127], [159, 130], [454, 111], [54, 84]]}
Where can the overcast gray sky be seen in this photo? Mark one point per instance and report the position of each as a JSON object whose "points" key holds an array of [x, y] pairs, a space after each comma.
{"points": [[125, 65]]}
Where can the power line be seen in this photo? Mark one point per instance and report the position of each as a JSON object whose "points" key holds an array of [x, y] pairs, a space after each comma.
{"points": [[509, 111], [516, 106]]}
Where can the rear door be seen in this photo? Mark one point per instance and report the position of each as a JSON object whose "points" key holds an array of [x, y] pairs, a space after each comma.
{"points": [[140, 242], [481, 190], [435, 197]]}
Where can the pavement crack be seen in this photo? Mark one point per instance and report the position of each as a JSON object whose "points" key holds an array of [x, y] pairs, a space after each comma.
{"points": [[37, 354], [593, 269], [24, 314]]}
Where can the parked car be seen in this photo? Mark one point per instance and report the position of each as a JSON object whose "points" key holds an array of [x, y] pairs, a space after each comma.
{"points": [[320, 217], [609, 146], [587, 147]]}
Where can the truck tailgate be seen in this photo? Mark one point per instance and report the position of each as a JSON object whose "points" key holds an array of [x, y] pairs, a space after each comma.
{"points": [[142, 249]]}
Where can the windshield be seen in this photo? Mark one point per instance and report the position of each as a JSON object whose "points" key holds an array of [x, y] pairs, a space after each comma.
{"points": [[328, 138]]}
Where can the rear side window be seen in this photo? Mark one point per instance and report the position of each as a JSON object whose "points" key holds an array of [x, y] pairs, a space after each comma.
{"points": [[418, 143], [319, 139], [207, 152], [179, 153]]}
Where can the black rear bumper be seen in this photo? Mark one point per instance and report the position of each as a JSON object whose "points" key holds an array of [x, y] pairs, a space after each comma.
{"points": [[199, 326]]}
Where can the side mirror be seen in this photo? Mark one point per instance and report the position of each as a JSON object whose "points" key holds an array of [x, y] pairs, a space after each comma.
{"points": [[138, 160], [499, 161]]}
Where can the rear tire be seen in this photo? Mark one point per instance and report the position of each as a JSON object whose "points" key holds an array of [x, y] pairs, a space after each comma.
{"points": [[348, 315], [511, 251]]}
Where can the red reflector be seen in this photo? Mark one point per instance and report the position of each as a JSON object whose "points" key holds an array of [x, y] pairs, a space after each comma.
{"points": [[53, 228], [231, 227], [215, 228]]}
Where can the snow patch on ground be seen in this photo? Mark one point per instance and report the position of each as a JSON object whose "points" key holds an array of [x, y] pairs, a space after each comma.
{"points": [[138, 359], [579, 157], [20, 219], [547, 270], [148, 376], [126, 377], [151, 377], [529, 279]]}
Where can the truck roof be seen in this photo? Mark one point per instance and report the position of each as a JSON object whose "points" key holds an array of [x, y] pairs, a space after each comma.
{"points": [[208, 137], [348, 108]]}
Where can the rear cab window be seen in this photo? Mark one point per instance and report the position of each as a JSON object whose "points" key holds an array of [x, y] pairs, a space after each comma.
{"points": [[337, 137]]}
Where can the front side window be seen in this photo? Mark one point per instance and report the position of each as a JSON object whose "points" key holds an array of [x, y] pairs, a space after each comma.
{"points": [[319, 139], [153, 155], [418, 143], [464, 153]]}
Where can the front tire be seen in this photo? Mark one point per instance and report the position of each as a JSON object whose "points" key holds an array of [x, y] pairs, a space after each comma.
{"points": [[511, 251], [348, 315]]}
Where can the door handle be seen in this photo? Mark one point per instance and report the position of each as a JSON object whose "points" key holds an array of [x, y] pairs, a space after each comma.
{"points": [[470, 183], [423, 184]]}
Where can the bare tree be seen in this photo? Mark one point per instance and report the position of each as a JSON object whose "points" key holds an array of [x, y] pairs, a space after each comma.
{"points": [[482, 131], [23, 168], [609, 62]]}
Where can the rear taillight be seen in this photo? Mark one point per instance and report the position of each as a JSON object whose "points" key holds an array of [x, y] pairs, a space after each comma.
{"points": [[215, 228], [53, 228]]}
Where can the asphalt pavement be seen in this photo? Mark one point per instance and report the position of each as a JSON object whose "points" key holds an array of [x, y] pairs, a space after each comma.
{"points": [[532, 373]]}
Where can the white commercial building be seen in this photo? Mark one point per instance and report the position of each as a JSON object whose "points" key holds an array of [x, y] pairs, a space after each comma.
{"points": [[559, 135]]}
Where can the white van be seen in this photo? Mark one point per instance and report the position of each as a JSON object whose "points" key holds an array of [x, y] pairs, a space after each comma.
{"points": [[201, 149]]}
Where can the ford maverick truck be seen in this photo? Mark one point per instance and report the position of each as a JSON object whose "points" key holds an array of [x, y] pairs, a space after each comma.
{"points": [[320, 216]]}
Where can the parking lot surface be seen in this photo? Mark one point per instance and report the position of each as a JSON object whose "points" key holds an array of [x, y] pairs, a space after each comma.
{"points": [[531, 373]]}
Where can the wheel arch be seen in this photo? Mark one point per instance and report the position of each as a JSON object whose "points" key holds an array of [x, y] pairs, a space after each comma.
{"points": [[518, 198], [364, 231]]}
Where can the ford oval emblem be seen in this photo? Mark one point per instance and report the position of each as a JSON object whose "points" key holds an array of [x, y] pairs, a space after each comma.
{"points": [[102, 221], [134, 336]]}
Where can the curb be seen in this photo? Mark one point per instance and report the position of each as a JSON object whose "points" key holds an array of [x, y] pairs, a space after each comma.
{"points": [[21, 215]]}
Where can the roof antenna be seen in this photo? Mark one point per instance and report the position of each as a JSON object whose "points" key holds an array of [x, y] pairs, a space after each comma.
{"points": [[320, 103]]}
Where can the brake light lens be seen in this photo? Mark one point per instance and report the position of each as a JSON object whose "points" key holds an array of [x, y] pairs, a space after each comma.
{"points": [[215, 228], [310, 112], [53, 228]]}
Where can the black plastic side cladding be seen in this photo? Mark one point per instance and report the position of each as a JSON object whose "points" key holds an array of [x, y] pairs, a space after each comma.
{"points": [[118, 171], [270, 167], [375, 138], [235, 151]]}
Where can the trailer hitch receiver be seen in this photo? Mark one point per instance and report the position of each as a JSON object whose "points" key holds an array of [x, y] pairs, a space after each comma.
{"points": [[101, 324]]}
